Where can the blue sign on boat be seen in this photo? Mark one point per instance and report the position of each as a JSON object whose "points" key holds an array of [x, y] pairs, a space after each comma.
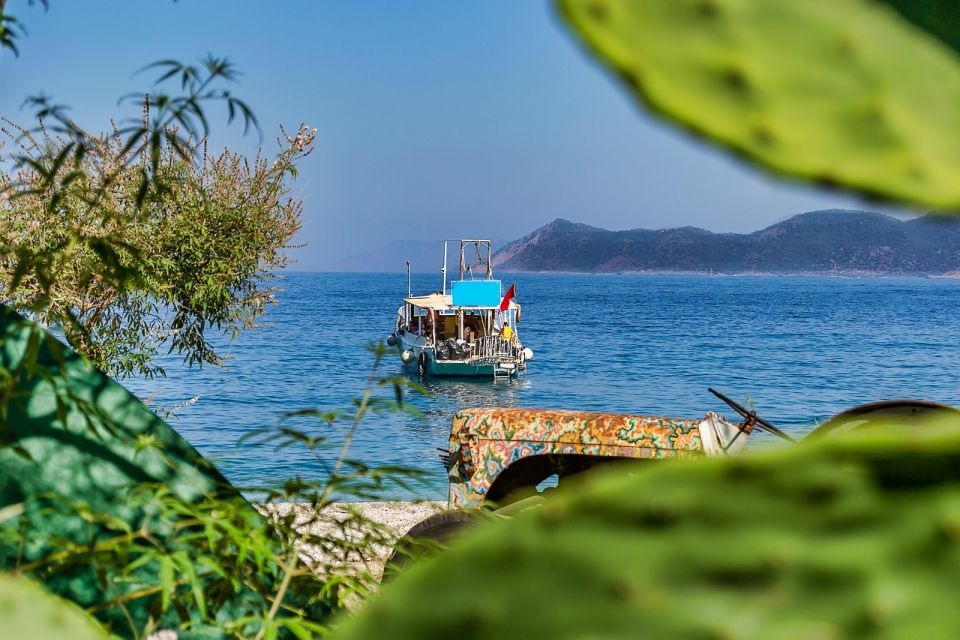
{"points": [[476, 293]]}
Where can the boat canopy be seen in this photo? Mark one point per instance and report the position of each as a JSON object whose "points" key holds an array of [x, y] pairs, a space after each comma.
{"points": [[440, 302], [435, 301]]}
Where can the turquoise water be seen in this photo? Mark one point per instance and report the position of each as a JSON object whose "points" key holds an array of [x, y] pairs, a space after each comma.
{"points": [[801, 348]]}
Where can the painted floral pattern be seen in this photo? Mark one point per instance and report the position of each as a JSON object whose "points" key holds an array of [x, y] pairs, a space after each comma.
{"points": [[484, 442]]}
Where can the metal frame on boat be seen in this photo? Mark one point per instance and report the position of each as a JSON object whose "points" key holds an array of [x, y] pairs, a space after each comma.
{"points": [[470, 331]]}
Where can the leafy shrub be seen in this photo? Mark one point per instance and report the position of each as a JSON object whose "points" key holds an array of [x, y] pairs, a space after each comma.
{"points": [[846, 538], [110, 508], [126, 277]]}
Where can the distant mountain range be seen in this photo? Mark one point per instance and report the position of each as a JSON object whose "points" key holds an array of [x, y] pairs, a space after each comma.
{"points": [[832, 241], [425, 256]]}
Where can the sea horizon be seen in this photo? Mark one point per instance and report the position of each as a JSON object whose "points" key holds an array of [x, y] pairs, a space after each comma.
{"points": [[801, 348], [953, 275]]}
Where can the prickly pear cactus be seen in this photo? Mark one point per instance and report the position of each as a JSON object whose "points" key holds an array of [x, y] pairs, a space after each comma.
{"points": [[939, 17], [840, 92], [28, 612], [839, 539]]}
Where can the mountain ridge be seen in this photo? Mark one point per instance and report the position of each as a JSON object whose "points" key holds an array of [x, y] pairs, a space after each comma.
{"points": [[425, 256], [835, 241]]}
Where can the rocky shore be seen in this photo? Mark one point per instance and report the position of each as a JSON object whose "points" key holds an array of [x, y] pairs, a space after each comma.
{"points": [[338, 522]]}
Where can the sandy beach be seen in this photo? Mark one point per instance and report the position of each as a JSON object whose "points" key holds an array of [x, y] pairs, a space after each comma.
{"points": [[396, 518]]}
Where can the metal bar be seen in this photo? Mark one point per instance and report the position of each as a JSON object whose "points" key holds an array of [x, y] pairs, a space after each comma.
{"points": [[746, 427], [752, 415], [443, 271]]}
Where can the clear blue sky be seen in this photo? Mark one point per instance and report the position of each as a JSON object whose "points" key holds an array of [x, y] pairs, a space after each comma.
{"points": [[437, 119]]}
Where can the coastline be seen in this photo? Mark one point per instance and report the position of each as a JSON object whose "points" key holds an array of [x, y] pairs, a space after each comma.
{"points": [[397, 517], [951, 275], [880, 275]]}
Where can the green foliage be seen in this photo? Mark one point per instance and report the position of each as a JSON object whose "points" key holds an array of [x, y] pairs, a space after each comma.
{"points": [[110, 508], [126, 278], [128, 242], [842, 93], [846, 538], [28, 612], [12, 29], [939, 17], [92, 223]]}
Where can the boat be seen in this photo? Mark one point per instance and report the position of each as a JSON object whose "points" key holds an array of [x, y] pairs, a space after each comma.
{"points": [[466, 329]]}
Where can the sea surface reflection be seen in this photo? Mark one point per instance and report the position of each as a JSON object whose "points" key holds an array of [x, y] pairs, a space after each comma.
{"points": [[801, 348]]}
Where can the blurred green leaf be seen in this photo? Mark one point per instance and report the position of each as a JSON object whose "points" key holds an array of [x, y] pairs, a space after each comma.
{"points": [[851, 537], [939, 17], [29, 612], [115, 511], [843, 93]]}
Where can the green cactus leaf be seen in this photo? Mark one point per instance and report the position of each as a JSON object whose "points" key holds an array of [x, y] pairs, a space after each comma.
{"points": [[940, 17], [842, 538], [28, 612], [844, 93]]}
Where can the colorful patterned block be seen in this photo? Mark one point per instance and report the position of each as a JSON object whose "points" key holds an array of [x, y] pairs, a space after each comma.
{"points": [[484, 442]]}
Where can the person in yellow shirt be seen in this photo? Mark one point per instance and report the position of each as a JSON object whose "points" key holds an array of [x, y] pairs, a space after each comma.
{"points": [[506, 333]]}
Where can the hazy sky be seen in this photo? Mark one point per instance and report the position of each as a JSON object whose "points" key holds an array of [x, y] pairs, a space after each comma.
{"points": [[437, 119]]}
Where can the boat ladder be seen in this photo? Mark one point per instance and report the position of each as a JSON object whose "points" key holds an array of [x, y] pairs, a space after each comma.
{"points": [[503, 372], [498, 352]]}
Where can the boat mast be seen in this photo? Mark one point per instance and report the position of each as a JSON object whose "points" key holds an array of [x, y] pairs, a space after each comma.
{"points": [[460, 311], [443, 270], [409, 291]]}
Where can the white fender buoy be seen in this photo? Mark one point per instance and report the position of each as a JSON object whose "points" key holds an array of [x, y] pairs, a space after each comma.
{"points": [[407, 356], [527, 353]]}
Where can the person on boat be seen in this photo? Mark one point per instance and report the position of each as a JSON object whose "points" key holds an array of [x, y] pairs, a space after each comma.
{"points": [[427, 324], [506, 332]]}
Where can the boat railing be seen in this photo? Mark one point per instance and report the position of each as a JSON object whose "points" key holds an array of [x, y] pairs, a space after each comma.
{"points": [[492, 349]]}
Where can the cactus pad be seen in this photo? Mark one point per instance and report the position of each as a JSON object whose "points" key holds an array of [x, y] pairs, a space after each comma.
{"points": [[843, 93], [27, 612], [939, 17], [845, 538]]}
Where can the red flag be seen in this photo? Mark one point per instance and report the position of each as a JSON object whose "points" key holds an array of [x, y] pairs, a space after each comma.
{"points": [[505, 303]]}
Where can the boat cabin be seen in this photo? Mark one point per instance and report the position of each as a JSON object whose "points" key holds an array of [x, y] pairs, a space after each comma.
{"points": [[461, 329], [438, 319]]}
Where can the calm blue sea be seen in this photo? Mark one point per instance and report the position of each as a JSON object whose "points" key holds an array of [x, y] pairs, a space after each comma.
{"points": [[802, 349]]}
